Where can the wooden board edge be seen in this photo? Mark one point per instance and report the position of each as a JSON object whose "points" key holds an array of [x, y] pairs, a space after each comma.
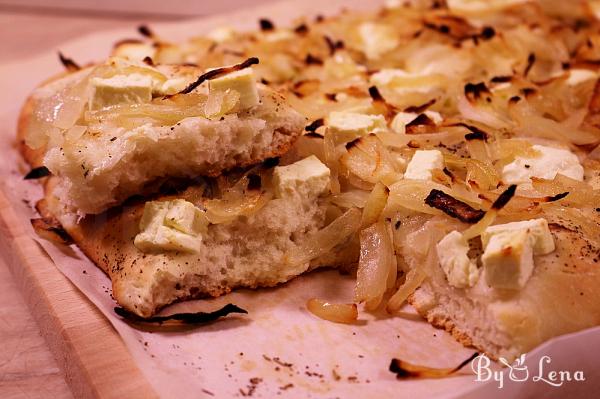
{"points": [[94, 359]]}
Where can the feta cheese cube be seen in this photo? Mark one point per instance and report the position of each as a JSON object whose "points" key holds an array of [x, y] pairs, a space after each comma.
{"points": [[508, 260], [423, 163], [243, 82], [578, 76], [356, 123], [184, 216], [306, 178], [120, 89], [166, 239], [460, 270], [550, 162], [542, 240], [171, 226], [377, 39]]}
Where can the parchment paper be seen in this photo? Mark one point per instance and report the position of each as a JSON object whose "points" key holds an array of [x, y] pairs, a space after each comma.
{"points": [[279, 349]]}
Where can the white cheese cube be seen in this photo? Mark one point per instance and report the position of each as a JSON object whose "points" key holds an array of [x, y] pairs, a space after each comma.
{"points": [[542, 240], [508, 260], [377, 39], [243, 82], [185, 217], [166, 239], [120, 89], [306, 178], [170, 226], [578, 76], [357, 123], [550, 162], [423, 163], [460, 270]]}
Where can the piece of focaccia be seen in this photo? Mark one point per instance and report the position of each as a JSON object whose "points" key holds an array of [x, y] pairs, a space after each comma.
{"points": [[560, 296], [124, 129], [259, 246]]}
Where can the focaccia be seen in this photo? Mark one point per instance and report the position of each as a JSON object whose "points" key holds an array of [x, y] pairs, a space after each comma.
{"points": [[437, 126], [262, 249], [113, 151]]}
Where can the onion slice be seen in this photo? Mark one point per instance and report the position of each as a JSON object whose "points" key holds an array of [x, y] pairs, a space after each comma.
{"points": [[326, 239], [376, 262], [336, 312], [226, 210], [580, 193], [487, 220], [375, 204], [404, 369], [351, 198], [411, 194], [414, 278]]}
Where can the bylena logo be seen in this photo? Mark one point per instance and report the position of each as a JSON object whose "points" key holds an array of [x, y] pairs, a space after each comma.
{"points": [[519, 372]]}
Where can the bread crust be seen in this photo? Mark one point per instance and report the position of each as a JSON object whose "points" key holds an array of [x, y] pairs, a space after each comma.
{"points": [[560, 297], [107, 238]]}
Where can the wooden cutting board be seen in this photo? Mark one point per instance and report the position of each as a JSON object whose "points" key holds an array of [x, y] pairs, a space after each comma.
{"points": [[95, 361], [92, 356]]}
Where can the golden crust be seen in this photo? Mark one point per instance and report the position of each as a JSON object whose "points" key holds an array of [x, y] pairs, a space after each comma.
{"points": [[107, 238], [560, 297]]}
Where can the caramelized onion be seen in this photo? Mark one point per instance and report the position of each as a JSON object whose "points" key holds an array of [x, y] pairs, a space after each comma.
{"points": [[531, 123], [351, 198], [404, 369], [368, 159], [580, 193], [453, 207], [414, 278], [165, 114], [323, 241], [335, 312], [375, 204], [228, 209], [478, 228], [478, 114], [376, 262], [411, 194]]}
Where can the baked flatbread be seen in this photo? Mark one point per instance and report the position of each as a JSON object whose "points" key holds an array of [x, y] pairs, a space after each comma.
{"points": [[437, 123], [110, 153]]}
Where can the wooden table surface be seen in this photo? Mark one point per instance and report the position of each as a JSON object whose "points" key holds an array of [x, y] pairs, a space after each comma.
{"points": [[27, 367]]}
